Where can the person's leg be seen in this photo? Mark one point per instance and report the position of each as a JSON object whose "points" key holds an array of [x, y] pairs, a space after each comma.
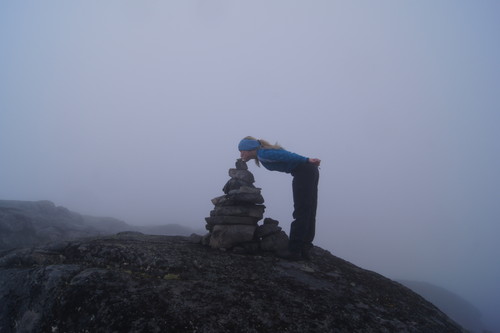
{"points": [[310, 231], [305, 188], [312, 206]]}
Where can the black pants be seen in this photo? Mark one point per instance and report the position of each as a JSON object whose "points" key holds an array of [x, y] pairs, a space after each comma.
{"points": [[305, 202]]}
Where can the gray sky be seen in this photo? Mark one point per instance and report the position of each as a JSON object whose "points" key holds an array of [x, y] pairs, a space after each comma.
{"points": [[134, 110]]}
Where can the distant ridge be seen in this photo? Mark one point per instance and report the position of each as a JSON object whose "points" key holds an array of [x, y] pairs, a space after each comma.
{"points": [[33, 223], [450, 303]]}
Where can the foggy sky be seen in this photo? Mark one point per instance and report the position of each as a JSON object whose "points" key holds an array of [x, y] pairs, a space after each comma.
{"points": [[134, 110]]}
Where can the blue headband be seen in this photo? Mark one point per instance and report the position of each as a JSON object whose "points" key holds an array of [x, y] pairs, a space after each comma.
{"points": [[248, 144]]}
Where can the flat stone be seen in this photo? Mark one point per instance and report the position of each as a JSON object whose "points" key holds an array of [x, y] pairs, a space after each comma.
{"points": [[238, 198], [246, 189], [228, 236], [234, 184], [242, 210], [255, 198], [243, 175], [219, 200], [232, 220]]}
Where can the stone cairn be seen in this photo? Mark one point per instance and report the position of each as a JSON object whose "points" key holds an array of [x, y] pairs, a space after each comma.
{"points": [[233, 223]]}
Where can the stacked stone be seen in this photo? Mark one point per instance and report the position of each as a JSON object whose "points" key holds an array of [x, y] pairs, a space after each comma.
{"points": [[271, 237], [234, 219]]}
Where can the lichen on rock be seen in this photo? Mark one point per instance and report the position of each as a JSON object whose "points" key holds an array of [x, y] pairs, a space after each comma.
{"points": [[131, 282]]}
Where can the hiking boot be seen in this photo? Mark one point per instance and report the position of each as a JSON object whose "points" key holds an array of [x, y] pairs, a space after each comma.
{"points": [[289, 255], [307, 252]]}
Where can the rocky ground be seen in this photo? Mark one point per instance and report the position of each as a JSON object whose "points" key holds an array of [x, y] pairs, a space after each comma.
{"points": [[132, 282]]}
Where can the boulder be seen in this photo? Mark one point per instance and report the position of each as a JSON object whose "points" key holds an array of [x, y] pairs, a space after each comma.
{"points": [[228, 236], [275, 242]]}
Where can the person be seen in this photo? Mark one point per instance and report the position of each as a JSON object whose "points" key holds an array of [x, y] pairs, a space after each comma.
{"points": [[304, 185]]}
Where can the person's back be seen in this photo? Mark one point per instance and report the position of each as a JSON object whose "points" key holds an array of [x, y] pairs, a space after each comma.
{"points": [[279, 159]]}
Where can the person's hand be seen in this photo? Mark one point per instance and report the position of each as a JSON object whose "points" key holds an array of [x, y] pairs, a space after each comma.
{"points": [[315, 161]]}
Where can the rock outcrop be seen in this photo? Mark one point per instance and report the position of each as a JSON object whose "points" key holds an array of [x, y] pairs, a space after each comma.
{"points": [[132, 282], [34, 223], [233, 223], [453, 305]]}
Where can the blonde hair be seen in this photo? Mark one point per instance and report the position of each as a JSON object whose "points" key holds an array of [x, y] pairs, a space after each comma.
{"points": [[264, 145]]}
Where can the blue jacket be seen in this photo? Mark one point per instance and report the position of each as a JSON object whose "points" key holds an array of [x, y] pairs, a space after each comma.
{"points": [[279, 159]]}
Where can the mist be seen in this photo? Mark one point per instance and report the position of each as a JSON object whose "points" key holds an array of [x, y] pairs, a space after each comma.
{"points": [[134, 110]]}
